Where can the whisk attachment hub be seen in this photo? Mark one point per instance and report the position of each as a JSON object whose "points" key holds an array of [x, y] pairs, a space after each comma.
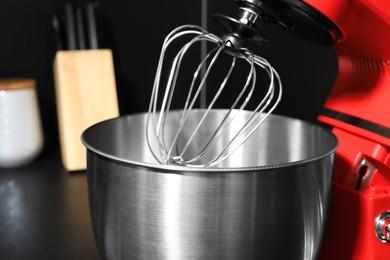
{"points": [[241, 32]]}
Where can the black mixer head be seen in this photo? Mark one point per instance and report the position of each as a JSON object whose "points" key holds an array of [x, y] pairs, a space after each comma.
{"points": [[293, 16]]}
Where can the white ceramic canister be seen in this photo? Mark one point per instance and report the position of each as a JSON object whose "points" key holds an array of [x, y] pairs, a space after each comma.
{"points": [[21, 136]]}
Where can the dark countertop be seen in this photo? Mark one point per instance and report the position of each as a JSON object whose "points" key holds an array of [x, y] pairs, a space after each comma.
{"points": [[44, 212]]}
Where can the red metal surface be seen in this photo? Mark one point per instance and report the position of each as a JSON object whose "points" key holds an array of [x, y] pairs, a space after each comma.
{"points": [[351, 229], [361, 92]]}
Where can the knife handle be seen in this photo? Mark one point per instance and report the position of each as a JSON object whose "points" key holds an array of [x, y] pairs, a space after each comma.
{"points": [[91, 25], [70, 26]]}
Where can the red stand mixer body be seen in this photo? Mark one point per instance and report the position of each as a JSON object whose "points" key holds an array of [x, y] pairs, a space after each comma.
{"points": [[359, 110]]}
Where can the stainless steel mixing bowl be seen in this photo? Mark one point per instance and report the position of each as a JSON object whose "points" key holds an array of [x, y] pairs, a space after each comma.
{"points": [[269, 200]]}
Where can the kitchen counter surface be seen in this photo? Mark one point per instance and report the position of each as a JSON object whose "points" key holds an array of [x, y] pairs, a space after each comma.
{"points": [[44, 212]]}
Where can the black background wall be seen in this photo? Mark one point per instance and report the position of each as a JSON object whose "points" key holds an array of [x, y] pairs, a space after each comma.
{"points": [[134, 30]]}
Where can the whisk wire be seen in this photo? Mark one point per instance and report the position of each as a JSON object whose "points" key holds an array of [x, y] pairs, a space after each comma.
{"points": [[210, 106], [172, 83], [169, 90], [206, 155], [153, 131], [217, 133], [259, 109], [187, 114]]}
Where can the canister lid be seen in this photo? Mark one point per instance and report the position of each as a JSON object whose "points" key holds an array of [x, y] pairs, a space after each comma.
{"points": [[16, 83]]}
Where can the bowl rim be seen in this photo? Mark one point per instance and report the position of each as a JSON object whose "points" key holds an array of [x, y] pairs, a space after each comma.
{"points": [[180, 168]]}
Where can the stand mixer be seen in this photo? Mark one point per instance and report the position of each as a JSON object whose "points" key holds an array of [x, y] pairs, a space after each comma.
{"points": [[357, 108]]}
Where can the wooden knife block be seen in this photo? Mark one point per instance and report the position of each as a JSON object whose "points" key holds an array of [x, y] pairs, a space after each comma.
{"points": [[86, 94]]}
